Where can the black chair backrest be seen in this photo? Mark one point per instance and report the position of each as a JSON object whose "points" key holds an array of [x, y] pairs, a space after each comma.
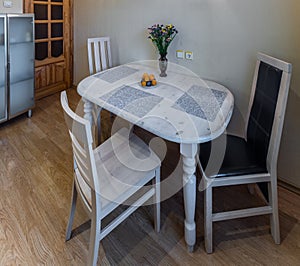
{"points": [[262, 112]]}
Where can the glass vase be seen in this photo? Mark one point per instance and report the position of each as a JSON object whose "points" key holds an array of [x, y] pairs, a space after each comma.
{"points": [[163, 64]]}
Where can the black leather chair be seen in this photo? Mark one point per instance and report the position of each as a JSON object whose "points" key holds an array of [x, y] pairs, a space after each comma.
{"points": [[232, 160]]}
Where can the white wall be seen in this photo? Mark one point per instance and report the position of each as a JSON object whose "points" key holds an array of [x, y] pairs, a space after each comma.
{"points": [[16, 6], [224, 35]]}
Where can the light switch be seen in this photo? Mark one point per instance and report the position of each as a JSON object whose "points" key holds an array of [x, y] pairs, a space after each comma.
{"points": [[179, 54], [7, 3]]}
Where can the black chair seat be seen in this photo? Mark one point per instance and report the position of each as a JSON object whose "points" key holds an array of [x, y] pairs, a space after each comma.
{"points": [[239, 159]]}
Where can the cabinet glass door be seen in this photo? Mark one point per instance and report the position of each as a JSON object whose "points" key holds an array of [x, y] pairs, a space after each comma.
{"points": [[3, 98], [21, 59]]}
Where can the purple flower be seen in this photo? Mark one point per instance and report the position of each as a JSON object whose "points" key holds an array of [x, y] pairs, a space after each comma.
{"points": [[161, 36]]}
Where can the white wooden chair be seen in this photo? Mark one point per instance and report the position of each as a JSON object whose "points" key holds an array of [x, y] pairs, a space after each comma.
{"points": [[252, 159], [99, 59], [110, 175], [99, 54]]}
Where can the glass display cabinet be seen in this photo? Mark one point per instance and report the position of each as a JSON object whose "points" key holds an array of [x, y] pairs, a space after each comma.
{"points": [[3, 92], [16, 65]]}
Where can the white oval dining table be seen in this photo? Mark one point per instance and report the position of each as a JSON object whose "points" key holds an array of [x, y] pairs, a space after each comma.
{"points": [[181, 108]]}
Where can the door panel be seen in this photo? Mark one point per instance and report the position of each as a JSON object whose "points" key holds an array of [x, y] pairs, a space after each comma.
{"points": [[21, 58], [48, 76], [53, 46], [21, 96]]}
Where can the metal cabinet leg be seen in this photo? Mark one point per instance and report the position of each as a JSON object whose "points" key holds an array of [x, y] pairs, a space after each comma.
{"points": [[29, 113]]}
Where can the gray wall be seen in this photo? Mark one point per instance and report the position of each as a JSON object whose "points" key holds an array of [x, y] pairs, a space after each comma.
{"points": [[224, 35]]}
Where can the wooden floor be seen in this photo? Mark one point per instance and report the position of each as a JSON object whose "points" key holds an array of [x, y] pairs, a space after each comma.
{"points": [[35, 189]]}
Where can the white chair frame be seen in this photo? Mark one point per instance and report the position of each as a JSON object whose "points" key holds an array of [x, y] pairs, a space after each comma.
{"points": [[99, 59], [272, 155], [99, 54], [103, 182]]}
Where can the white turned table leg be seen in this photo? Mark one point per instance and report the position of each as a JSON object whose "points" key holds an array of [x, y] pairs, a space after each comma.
{"points": [[88, 108], [188, 153]]}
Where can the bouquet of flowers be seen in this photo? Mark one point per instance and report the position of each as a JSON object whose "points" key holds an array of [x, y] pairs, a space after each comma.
{"points": [[162, 36]]}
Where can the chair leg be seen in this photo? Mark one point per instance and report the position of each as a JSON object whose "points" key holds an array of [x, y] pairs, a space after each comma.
{"points": [[94, 240], [274, 218], [72, 212], [208, 226], [157, 200]]}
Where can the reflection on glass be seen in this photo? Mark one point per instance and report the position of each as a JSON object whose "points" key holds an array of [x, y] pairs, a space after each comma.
{"points": [[1, 31], [2, 103], [41, 50], [2, 73], [56, 48], [20, 29], [21, 53], [21, 96], [41, 12], [41, 31], [2, 66], [56, 30], [21, 58], [56, 12]]}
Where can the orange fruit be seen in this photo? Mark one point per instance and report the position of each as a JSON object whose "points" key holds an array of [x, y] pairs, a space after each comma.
{"points": [[145, 76], [143, 83], [154, 82]]}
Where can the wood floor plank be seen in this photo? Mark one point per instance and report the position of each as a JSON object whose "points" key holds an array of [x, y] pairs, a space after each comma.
{"points": [[35, 190]]}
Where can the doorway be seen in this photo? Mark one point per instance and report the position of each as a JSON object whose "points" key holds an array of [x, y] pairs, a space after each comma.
{"points": [[53, 45]]}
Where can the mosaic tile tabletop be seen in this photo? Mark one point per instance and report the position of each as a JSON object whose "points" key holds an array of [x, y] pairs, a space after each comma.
{"points": [[199, 98], [116, 74], [182, 108], [132, 100]]}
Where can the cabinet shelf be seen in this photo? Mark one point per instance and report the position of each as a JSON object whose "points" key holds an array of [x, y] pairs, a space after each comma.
{"points": [[21, 81], [17, 43]]}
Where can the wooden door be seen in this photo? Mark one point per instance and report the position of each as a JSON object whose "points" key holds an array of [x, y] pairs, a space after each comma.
{"points": [[53, 45]]}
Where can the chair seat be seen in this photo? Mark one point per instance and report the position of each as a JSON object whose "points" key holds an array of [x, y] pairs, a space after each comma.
{"points": [[124, 164], [239, 159]]}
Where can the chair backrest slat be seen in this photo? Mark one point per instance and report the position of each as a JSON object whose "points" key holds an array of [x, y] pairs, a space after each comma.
{"points": [[97, 59], [99, 54], [103, 57], [82, 141], [81, 159], [267, 107]]}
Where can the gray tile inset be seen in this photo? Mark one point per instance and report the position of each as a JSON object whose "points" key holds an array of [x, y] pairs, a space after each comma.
{"points": [[220, 95], [132, 100], [198, 98], [116, 74]]}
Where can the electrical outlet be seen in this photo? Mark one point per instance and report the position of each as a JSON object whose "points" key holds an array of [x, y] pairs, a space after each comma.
{"points": [[189, 55], [179, 54]]}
